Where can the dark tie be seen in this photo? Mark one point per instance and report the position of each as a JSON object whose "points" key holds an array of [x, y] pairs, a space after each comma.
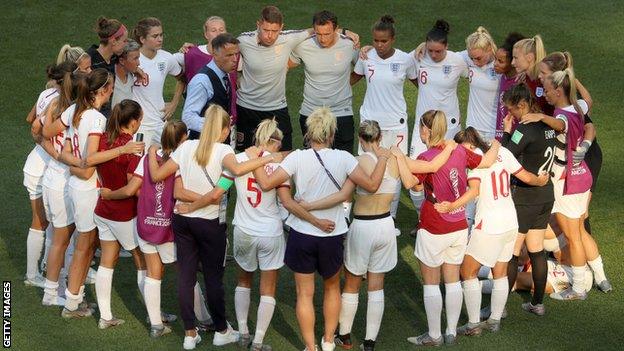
{"points": [[226, 83]]}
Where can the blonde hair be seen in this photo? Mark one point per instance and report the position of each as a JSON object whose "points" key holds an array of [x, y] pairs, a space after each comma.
{"points": [[212, 19], [215, 119], [321, 126], [369, 131], [481, 39], [72, 54], [533, 46], [267, 131], [565, 80], [435, 120]]}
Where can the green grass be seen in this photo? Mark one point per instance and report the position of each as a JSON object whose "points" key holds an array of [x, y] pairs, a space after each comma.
{"points": [[32, 33]]}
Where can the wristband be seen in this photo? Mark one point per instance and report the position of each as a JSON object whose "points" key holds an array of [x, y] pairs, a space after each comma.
{"points": [[225, 183]]}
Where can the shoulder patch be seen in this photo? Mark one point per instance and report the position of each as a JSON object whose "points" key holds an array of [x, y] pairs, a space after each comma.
{"points": [[517, 136]]}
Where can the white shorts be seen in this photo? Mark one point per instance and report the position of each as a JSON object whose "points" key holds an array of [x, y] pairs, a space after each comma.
{"points": [[166, 251], [435, 249], [371, 246], [251, 252], [390, 138], [571, 206], [84, 205], [488, 249], [33, 185], [123, 232], [560, 277], [58, 206]]}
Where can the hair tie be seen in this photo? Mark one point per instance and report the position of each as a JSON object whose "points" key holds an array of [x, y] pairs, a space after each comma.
{"points": [[120, 32]]}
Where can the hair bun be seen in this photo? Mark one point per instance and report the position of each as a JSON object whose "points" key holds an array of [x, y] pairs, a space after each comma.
{"points": [[442, 25], [387, 19], [102, 22]]}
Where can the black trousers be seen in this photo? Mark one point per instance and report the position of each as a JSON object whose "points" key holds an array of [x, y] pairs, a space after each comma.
{"points": [[248, 120], [344, 138]]}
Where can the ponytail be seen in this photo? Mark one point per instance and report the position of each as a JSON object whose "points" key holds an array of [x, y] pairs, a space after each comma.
{"points": [[369, 131], [267, 130], [215, 119], [385, 24], [435, 120], [123, 113], [439, 32], [558, 61], [173, 134], [533, 46], [481, 39], [87, 89], [566, 81], [471, 136]]}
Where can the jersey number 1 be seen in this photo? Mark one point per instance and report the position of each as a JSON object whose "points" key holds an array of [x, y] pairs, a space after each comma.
{"points": [[252, 186]]}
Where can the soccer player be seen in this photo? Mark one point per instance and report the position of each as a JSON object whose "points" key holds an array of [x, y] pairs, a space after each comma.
{"points": [[125, 70], [527, 54], [315, 243], [480, 55], [534, 145], [201, 234], [77, 55], [493, 237], [508, 75], [572, 180], [438, 70], [157, 64], [328, 57], [386, 68], [442, 237]]}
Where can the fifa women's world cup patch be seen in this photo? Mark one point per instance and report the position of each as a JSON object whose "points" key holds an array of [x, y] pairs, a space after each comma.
{"points": [[516, 137]]}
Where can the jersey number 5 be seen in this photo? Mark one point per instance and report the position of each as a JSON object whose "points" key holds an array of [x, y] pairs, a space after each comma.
{"points": [[252, 186]]}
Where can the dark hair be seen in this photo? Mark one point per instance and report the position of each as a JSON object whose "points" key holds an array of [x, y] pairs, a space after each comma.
{"points": [[106, 28], [439, 32], [172, 135], [62, 74], [123, 113], [221, 40], [510, 41], [470, 135], [323, 17], [558, 61], [143, 27], [271, 14], [518, 93], [57, 72], [385, 23], [87, 88]]}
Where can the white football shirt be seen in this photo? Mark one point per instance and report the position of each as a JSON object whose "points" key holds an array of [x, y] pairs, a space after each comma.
{"points": [[92, 122], [496, 213], [384, 101], [150, 95], [482, 98], [56, 175], [38, 158]]}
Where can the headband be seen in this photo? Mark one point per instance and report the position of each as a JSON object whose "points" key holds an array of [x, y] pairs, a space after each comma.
{"points": [[118, 33]]}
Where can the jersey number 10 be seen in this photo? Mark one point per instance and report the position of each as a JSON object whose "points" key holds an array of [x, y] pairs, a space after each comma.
{"points": [[503, 184]]}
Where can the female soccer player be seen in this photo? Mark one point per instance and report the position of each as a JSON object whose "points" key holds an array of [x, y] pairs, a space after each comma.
{"points": [[258, 238], [527, 54], [508, 76], [589, 151], [156, 64], [316, 238], [77, 55], [572, 180], [533, 144], [34, 168], [386, 69], [86, 125], [483, 80], [442, 238], [201, 234], [493, 237], [438, 72], [125, 70]]}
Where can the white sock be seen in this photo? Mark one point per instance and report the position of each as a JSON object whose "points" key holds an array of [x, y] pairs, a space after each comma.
{"points": [[347, 312], [34, 247], [199, 305], [432, 298], [486, 286], [242, 297], [598, 269], [374, 313], [500, 291], [472, 296], [265, 314], [152, 300], [71, 301], [141, 274], [578, 279], [81, 293], [453, 302], [103, 286], [51, 288], [49, 237]]}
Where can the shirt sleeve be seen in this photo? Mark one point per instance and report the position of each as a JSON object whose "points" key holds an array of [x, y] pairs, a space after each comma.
{"points": [[174, 68], [179, 58], [139, 171], [289, 164], [295, 55], [98, 124], [463, 67], [133, 163], [350, 162], [472, 159], [296, 37], [511, 163], [360, 67], [565, 121], [199, 91], [410, 72]]}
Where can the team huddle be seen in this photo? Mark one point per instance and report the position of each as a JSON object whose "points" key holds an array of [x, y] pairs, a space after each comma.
{"points": [[502, 205]]}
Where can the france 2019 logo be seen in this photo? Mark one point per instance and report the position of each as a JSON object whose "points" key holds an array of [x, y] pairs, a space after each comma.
{"points": [[446, 69], [394, 67]]}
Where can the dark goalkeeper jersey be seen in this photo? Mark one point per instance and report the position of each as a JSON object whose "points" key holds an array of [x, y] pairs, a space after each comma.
{"points": [[533, 144]]}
